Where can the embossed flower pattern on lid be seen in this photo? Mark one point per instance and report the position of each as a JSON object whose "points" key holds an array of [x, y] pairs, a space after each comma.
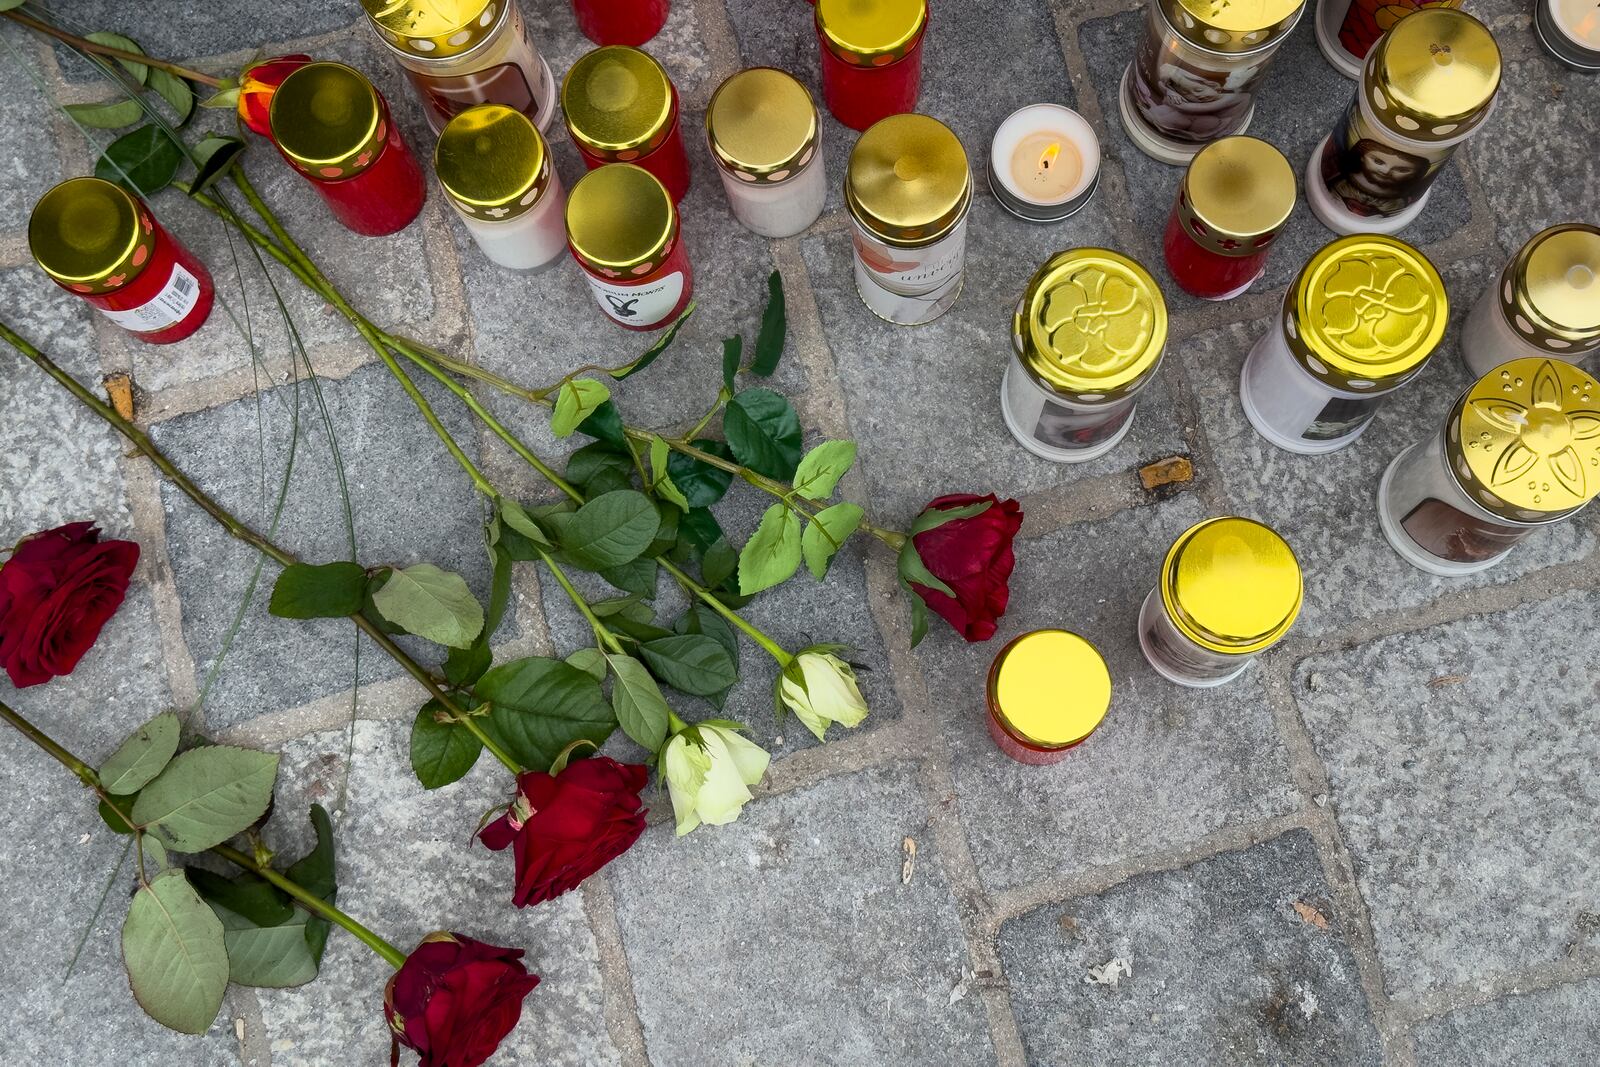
{"points": [[1376, 306], [1529, 437], [1096, 321]]}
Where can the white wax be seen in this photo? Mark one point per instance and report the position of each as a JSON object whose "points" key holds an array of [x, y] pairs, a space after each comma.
{"points": [[1060, 122], [529, 241], [782, 209]]}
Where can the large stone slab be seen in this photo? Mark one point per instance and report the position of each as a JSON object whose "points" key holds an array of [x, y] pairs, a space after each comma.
{"points": [[795, 923], [1220, 967], [1104, 803], [1459, 764], [26, 175], [1557, 1025], [177, 30]]}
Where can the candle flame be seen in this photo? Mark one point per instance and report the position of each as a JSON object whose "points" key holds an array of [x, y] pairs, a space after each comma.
{"points": [[1047, 158]]}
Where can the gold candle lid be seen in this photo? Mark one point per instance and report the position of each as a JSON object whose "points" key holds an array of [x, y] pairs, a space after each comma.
{"points": [[761, 125], [1092, 325], [1231, 585], [1524, 440], [907, 180], [492, 162], [1550, 292], [1365, 313], [1432, 75], [870, 33], [619, 102], [1229, 26], [620, 220], [1236, 195], [90, 235], [1050, 688], [435, 29], [328, 120]]}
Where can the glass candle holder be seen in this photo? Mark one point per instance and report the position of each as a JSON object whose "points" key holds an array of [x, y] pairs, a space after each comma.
{"points": [[621, 107], [495, 170], [98, 241], [1570, 31], [1347, 29], [1044, 163], [630, 22], [461, 53], [1230, 588], [1088, 335], [1359, 322], [1194, 75], [1232, 201], [623, 230], [1519, 451], [871, 57], [762, 129], [908, 188], [1427, 85], [1546, 302], [1048, 691], [334, 128]]}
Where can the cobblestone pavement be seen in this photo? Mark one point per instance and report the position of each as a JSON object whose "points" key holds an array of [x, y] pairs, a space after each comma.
{"points": [[1380, 845]]}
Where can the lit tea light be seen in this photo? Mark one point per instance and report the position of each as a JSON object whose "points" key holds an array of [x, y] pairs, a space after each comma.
{"points": [[1044, 163], [1570, 31]]}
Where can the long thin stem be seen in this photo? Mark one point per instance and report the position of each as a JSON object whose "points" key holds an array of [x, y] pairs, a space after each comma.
{"points": [[775, 650], [86, 774], [83, 44], [602, 632]]}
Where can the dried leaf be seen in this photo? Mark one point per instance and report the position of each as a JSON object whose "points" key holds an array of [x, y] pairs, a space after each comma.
{"points": [[1310, 915], [1173, 470], [119, 390], [909, 846]]}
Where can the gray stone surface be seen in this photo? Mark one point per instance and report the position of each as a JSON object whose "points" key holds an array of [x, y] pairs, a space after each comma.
{"points": [[178, 30], [26, 175], [1549, 1025], [1223, 968], [1460, 764], [797, 914]]}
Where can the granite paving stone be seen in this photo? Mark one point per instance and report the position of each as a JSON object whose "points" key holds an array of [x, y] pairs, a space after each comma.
{"points": [[798, 916], [1460, 765], [1210, 963], [1556, 1025], [179, 30], [26, 174]]}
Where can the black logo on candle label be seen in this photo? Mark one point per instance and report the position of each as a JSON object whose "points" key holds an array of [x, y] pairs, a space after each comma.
{"points": [[622, 309]]}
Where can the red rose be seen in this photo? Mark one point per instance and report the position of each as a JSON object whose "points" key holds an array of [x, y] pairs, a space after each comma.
{"points": [[257, 83], [56, 591], [455, 999], [566, 827], [972, 555]]}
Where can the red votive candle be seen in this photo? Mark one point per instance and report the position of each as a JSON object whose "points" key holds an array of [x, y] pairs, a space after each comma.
{"points": [[623, 230], [630, 22], [1048, 690], [1233, 200], [622, 108], [871, 57]]}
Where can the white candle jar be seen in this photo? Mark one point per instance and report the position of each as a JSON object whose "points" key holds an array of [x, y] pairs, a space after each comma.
{"points": [[459, 53], [1044, 163], [908, 188], [1570, 31], [496, 172], [1519, 451], [1546, 302], [1360, 321], [1088, 335], [762, 129]]}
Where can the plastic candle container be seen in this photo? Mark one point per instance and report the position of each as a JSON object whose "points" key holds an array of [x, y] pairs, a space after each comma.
{"points": [[1044, 163], [1347, 29], [1088, 335], [631, 22], [1359, 322], [623, 230], [1233, 200], [459, 53], [762, 129], [621, 107], [98, 241], [1546, 302], [1229, 589], [907, 188], [1048, 690], [1570, 31], [1519, 451], [1194, 75], [495, 170], [334, 128], [871, 57], [1427, 85]]}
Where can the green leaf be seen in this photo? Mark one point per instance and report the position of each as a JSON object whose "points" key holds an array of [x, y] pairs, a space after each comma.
{"points": [[576, 400], [719, 564], [822, 468], [701, 483], [933, 518], [919, 618], [540, 706], [611, 529], [431, 603], [635, 576], [828, 530], [214, 155], [442, 751], [691, 663], [207, 795], [108, 812], [700, 528], [323, 591], [141, 757], [701, 619], [175, 91], [112, 116], [654, 351], [769, 342], [660, 478], [463, 666], [641, 709], [140, 71], [562, 759], [912, 569], [316, 870], [519, 520], [7, 5], [590, 661], [773, 552], [596, 461], [369, 610], [606, 424], [246, 894], [763, 432], [154, 855], [172, 946], [732, 352], [144, 161], [227, 98], [268, 957]]}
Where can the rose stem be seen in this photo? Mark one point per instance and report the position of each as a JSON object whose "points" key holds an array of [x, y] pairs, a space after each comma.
{"points": [[85, 45]]}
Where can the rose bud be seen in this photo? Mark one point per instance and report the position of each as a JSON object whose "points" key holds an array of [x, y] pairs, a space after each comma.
{"points": [[820, 688], [564, 827], [56, 592], [964, 543], [709, 768], [258, 82], [455, 999]]}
